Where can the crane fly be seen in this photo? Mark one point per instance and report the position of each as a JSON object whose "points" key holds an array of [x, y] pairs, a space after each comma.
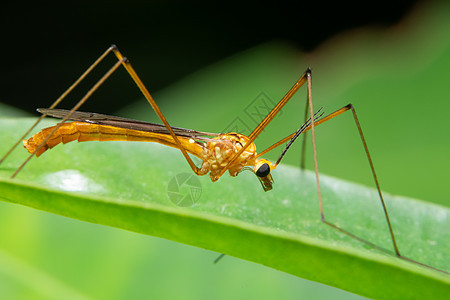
{"points": [[215, 150], [231, 151]]}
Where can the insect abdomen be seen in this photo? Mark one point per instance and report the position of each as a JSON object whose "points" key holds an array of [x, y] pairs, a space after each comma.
{"points": [[83, 132], [68, 132]]}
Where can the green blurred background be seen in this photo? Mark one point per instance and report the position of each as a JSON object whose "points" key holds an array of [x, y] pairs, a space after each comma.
{"points": [[205, 65]]}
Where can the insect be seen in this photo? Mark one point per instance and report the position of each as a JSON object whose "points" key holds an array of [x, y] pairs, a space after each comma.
{"points": [[232, 152]]}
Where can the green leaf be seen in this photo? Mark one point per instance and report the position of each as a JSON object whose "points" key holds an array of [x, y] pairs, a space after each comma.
{"points": [[126, 185]]}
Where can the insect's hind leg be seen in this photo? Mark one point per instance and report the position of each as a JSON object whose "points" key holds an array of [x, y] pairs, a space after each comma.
{"points": [[366, 149], [69, 114], [58, 101], [323, 219]]}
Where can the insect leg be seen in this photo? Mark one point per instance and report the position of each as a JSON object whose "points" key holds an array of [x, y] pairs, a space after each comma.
{"points": [[127, 65], [57, 101], [76, 107]]}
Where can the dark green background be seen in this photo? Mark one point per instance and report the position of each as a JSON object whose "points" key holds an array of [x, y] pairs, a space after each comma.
{"points": [[44, 46]]}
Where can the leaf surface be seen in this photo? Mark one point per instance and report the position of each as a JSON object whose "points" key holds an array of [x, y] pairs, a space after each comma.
{"points": [[129, 185]]}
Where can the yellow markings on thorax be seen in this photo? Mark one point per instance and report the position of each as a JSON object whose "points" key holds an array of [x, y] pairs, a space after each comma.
{"points": [[218, 154]]}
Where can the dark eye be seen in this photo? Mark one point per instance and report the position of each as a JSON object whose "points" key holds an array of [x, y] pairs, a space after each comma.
{"points": [[263, 170]]}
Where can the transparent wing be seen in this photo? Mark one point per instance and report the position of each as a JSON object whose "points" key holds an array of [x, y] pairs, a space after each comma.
{"points": [[95, 118]]}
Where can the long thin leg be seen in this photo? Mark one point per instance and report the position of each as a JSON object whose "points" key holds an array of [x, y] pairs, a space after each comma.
{"points": [[76, 107], [155, 107], [269, 118], [307, 76], [366, 149], [57, 101], [264, 123], [372, 168], [307, 127], [303, 154], [316, 167], [122, 61]]}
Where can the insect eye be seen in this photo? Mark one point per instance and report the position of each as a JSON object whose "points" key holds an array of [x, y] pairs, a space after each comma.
{"points": [[263, 170]]}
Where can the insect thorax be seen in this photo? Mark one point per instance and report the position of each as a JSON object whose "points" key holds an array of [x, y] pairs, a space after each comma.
{"points": [[217, 154]]}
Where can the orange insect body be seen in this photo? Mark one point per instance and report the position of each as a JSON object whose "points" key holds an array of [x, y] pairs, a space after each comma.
{"points": [[83, 132], [216, 154]]}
